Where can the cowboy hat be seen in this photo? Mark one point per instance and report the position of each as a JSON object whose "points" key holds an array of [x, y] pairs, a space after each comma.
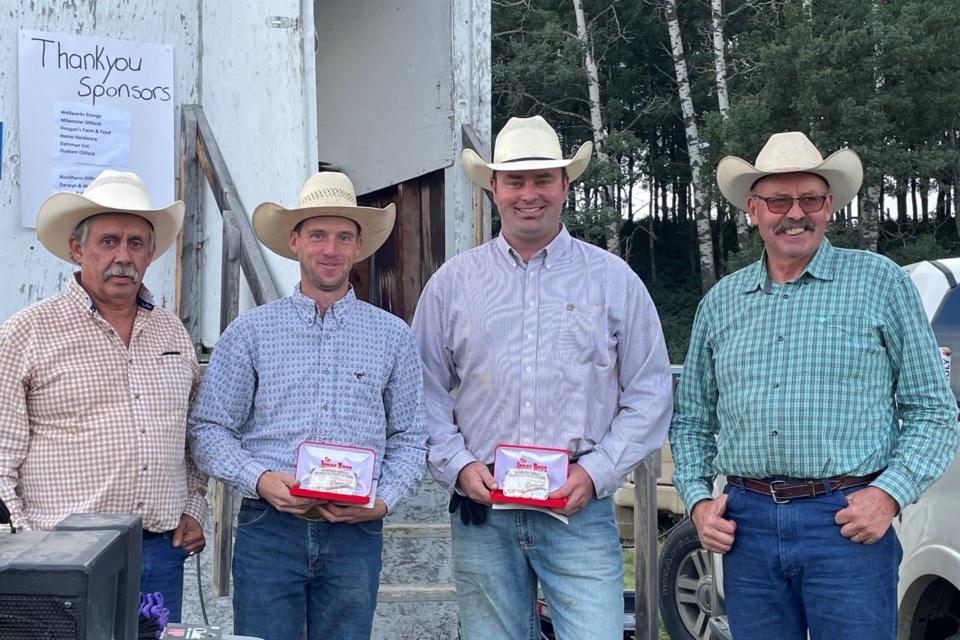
{"points": [[791, 152], [110, 192], [325, 194], [525, 144]]}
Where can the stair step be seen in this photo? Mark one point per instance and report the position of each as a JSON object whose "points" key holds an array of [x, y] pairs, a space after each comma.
{"points": [[420, 592], [417, 529]]}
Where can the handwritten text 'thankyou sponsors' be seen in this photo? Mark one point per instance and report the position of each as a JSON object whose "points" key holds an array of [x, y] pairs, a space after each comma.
{"points": [[109, 75]]}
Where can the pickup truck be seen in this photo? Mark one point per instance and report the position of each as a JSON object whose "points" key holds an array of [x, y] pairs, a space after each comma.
{"points": [[929, 530]]}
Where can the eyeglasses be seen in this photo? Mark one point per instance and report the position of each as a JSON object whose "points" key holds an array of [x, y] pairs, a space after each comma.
{"points": [[782, 204]]}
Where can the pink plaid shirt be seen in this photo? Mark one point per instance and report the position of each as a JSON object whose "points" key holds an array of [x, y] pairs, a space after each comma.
{"points": [[89, 425]]}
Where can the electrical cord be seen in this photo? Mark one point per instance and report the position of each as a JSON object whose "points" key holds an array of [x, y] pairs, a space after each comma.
{"points": [[203, 605]]}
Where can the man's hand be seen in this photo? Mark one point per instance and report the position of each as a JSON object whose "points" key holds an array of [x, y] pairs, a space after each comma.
{"points": [[352, 514], [715, 531], [578, 490], [189, 534], [476, 481], [867, 516], [274, 487]]}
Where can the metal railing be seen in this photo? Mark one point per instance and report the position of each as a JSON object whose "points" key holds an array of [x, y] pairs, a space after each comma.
{"points": [[200, 158]]}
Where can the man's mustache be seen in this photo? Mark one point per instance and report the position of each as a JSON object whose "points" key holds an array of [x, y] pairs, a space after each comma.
{"points": [[788, 223], [122, 270]]}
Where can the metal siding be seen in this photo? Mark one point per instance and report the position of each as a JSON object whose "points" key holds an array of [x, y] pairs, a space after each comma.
{"points": [[30, 272], [384, 89], [254, 95]]}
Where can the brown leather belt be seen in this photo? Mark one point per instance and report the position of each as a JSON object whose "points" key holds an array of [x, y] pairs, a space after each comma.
{"points": [[790, 489]]}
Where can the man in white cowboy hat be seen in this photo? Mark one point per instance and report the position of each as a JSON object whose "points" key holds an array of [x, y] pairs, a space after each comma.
{"points": [[95, 384], [813, 382], [319, 366], [538, 339]]}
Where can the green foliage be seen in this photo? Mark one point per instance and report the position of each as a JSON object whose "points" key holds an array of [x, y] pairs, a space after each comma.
{"points": [[880, 77]]}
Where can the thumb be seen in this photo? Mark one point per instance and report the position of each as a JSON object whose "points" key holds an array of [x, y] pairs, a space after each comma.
{"points": [[721, 504], [488, 480], [177, 539]]}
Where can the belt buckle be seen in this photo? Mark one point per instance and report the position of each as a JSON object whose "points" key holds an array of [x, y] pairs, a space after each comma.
{"points": [[773, 491]]}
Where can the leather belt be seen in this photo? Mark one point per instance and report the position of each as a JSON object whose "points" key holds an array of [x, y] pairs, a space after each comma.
{"points": [[784, 490]]}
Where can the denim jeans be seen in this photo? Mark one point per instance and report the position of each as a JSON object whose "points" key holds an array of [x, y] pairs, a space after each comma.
{"points": [[161, 570], [790, 570], [288, 571], [497, 566]]}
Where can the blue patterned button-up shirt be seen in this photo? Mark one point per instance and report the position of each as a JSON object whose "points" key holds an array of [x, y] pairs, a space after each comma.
{"points": [[281, 374], [812, 379]]}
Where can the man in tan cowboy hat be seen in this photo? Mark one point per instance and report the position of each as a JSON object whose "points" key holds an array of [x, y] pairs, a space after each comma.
{"points": [[95, 384], [319, 366], [813, 382], [536, 339]]}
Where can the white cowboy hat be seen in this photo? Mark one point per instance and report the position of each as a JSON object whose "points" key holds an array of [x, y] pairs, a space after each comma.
{"points": [[791, 152], [110, 192], [325, 194], [525, 144]]}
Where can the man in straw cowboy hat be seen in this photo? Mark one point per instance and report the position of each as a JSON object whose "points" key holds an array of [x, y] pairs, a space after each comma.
{"points": [[813, 382], [95, 384], [537, 339], [319, 366]]}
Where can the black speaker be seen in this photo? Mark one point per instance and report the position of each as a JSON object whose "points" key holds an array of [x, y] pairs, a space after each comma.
{"points": [[77, 582]]}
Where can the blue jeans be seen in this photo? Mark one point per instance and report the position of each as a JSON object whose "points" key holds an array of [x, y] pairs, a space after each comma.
{"points": [[790, 570], [288, 571], [162, 570], [579, 567]]}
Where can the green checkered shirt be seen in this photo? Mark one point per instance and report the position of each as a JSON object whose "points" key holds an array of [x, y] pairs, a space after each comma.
{"points": [[799, 380]]}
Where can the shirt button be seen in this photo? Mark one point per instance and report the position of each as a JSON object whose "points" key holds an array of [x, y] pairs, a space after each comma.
{"points": [[774, 433], [139, 505], [529, 336], [136, 396], [129, 361], [144, 467], [529, 369], [326, 407], [526, 404], [776, 385], [779, 338], [143, 430], [530, 304], [786, 296]]}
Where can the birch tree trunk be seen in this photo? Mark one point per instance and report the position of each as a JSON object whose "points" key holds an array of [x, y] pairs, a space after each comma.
{"points": [[723, 99], [596, 124], [708, 275]]}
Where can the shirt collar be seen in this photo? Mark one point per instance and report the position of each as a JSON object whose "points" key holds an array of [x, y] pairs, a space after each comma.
{"points": [[822, 266], [306, 307], [553, 251], [78, 294]]}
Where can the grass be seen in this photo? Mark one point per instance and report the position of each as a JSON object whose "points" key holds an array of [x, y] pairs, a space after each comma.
{"points": [[629, 569]]}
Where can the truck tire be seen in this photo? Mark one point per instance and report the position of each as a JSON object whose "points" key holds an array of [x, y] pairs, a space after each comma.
{"points": [[685, 581]]}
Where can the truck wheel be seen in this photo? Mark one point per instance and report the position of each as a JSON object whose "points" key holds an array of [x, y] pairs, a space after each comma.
{"points": [[685, 580]]}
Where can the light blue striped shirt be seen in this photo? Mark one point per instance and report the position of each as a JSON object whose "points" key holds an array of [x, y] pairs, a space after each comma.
{"points": [[565, 351], [281, 374], [812, 379]]}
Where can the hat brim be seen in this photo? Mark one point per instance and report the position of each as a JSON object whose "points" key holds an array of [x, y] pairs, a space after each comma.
{"points": [[481, 172], [273, 224], [60, 214], [842, 170]]}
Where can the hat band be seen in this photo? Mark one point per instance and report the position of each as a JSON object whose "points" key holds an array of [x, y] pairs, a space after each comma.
{"points": [[529, 158]]}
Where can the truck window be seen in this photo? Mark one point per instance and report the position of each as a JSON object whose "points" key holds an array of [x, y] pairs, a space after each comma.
{"points": [[946, 326]]}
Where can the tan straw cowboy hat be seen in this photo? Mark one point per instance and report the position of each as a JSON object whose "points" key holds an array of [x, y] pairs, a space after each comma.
{"points": [[525, 144], [325, 194], [110, 192], [791, 152]]}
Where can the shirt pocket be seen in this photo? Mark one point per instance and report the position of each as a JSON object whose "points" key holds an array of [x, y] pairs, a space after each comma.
{"points": [[173, 380], [840, 347], [579, 332]]}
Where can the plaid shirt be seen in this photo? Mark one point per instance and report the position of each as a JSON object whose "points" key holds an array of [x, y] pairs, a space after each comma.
{"points": [[800, 379], [89, 425]]}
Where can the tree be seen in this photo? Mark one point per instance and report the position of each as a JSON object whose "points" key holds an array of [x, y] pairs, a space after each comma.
{"points": [[704, 236]]}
